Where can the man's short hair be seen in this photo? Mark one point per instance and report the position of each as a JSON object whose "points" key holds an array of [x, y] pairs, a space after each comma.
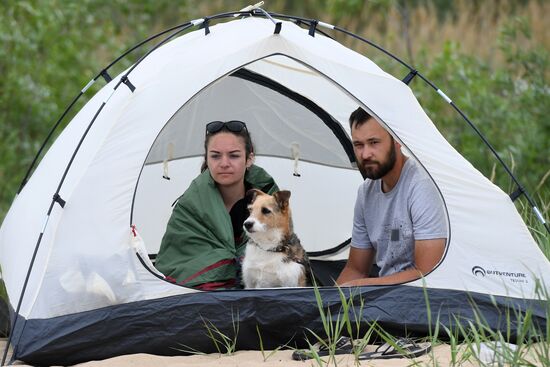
{"points": [[358, 117]]}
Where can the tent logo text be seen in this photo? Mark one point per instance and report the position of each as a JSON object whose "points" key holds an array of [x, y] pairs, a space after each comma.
{"points": [[516, 277]]}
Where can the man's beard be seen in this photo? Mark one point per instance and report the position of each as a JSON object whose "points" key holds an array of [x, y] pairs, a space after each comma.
{"points": [[374, 172]]}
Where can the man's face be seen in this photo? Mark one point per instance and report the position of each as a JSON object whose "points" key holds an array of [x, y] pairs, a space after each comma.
{"points": [[374, 149]]}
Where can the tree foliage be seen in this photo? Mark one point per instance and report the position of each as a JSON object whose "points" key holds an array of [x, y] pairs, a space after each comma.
{"points": [[508, 104]]}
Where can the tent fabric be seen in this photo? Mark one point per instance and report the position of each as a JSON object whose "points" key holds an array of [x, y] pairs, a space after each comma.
{"points": [[254, 99], [86, 261], [170, 326]]}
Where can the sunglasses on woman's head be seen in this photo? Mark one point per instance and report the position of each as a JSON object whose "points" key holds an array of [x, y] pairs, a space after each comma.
{"points": [[235, 126]]}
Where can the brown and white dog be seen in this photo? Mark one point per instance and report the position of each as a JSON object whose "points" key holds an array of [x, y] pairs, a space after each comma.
{"points": [[274, 256]]}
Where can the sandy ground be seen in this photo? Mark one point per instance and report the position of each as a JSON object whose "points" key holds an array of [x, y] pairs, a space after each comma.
{"points": [[255, 358], [441, 354]]}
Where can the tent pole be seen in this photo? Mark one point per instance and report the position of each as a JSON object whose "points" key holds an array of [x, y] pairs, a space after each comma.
{"points": [[521, 190], [311, 22], [23, 290]]}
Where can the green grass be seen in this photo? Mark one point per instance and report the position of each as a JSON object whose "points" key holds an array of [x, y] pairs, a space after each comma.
{"points": [[470, 340], [225, 345], [267, 354], [532, 348]]}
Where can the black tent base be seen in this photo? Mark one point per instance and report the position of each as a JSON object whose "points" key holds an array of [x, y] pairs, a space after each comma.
{"points": [[178, 324]]}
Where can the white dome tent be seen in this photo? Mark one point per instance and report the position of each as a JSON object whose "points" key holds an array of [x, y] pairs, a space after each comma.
{"points": [[77, 267]]}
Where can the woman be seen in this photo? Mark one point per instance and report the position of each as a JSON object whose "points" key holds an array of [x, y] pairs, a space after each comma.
{"points": [[204, 239]]}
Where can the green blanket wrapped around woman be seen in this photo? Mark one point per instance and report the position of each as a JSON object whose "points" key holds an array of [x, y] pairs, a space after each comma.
{"points": [[198, 248]]}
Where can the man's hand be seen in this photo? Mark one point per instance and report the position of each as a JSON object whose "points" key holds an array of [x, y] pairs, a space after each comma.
{"points": [[358, 265], [427, 254]]}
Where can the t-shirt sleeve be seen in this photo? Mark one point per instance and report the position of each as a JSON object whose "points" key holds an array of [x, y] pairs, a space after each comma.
{"points": [[359, 235], [427, 211]]}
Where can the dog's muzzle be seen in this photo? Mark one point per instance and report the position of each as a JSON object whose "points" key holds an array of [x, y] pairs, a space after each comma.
{"points": [[248, 225]]}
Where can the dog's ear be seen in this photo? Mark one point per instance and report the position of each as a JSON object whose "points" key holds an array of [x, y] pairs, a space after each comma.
{"points": [[251, 195], [281, 197]]}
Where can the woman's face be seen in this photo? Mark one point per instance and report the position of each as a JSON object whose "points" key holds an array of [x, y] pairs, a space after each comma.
{"points": [[226, 158]]}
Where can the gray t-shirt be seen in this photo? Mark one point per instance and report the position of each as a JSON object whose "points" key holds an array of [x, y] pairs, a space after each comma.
{"points": [[391, 222]]}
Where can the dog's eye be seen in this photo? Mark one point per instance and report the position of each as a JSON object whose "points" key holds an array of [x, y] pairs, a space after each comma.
{"points": [[266, 211]]}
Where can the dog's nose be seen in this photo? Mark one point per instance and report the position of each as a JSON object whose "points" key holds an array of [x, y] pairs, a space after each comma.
{"points": [[248, 225]]}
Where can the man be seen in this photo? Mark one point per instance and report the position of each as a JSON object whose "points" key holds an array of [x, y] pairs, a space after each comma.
{"points": [[399, 219]]}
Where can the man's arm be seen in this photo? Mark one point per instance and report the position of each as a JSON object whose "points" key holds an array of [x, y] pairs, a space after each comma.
{"points": [[427, 254], [358, 265]]}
